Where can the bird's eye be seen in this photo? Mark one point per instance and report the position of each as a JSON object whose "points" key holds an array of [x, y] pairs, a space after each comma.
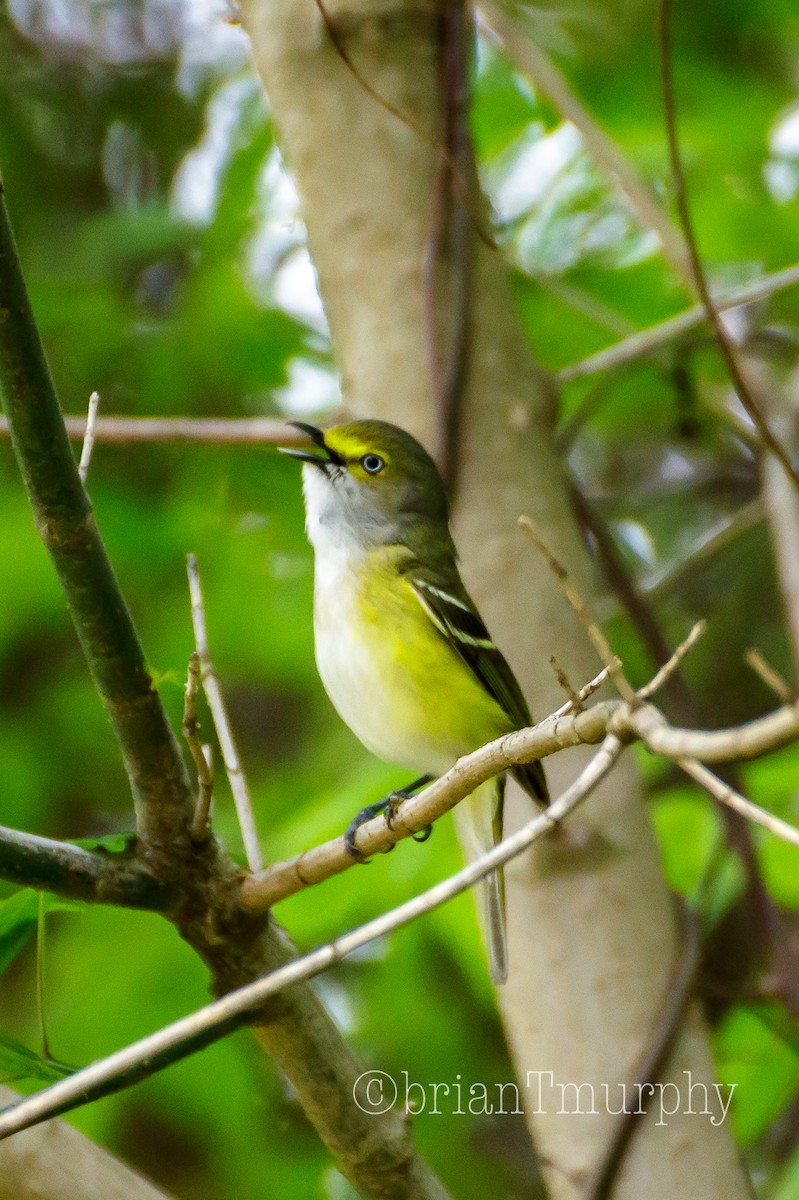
{"points": [[372, 463]]}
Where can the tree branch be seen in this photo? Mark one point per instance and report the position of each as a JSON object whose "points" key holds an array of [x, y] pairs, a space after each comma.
{"points": [[259, 892], [648, 341], [375, 1152], [66, 524], [215, 1020], [80, 874], [558, 732], [215, 430]]}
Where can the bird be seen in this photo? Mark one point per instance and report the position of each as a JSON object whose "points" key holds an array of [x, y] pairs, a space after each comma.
{"points": [[400, 646]]}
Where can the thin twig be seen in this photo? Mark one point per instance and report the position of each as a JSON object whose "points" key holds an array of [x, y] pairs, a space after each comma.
{"points": [[598, 639], [742, 388], [215, 1020], [244, 431], [565, 683], [738, 803], [649, 341], [216, 703], [88, 437], [669, 667], [584, 694], [770, 676], [621, 581], [205, 780]]}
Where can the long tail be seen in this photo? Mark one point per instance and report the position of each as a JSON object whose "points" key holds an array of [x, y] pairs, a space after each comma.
{"points": [[478, 819]]}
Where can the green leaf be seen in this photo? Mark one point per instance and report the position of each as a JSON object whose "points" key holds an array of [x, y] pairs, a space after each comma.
{"points": [[18, 1062], [108, 843], [756, 1050], [687, 829]]}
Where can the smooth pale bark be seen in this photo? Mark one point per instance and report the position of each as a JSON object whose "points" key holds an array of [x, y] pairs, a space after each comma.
{"points": [[592, 933], [55, 1162]]}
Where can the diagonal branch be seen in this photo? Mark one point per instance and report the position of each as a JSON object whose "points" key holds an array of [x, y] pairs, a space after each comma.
{"points": [[66, 524], [649, 341]]}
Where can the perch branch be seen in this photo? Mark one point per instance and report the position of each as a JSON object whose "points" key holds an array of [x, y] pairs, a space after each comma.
{"points": [[558, 732], [215, 1020]]}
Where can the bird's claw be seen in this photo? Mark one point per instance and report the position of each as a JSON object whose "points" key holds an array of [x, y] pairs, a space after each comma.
{"points": [[388, 805]]}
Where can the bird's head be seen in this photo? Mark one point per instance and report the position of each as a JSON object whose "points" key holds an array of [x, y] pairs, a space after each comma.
{"points": [[368, 482]]}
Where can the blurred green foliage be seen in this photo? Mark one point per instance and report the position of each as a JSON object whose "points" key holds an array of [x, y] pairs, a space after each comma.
{"points": [[167, 270]]}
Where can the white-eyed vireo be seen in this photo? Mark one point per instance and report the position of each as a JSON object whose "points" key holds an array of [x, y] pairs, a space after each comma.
{"points": [[401, 649]]}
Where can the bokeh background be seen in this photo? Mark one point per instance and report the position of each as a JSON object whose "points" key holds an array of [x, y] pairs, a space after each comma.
{"points": [[167, 266]]}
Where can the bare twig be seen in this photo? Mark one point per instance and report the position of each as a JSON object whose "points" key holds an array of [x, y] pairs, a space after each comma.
{"points": [[669, 667], [531, 61], [205, 779], [622, 582], [597, 637], [584, 694], [649, 341], [565, 683], [732, 799], [214, 430], [215, 1020], [216, 703], [88, 437], [770, 676], [700, 281], [740, 743]]}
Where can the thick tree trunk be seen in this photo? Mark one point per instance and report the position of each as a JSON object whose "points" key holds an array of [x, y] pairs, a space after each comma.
{"points": [[592, 936]]}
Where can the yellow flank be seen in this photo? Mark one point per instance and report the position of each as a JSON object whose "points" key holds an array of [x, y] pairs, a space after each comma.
{"points": [[431, 699]]}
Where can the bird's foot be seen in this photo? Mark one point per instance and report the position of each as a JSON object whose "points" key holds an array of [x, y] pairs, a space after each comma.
{"points": [[388, 805]]}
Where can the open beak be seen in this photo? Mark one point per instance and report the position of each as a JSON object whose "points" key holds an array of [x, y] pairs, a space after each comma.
{"points": [[317, 436]]}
